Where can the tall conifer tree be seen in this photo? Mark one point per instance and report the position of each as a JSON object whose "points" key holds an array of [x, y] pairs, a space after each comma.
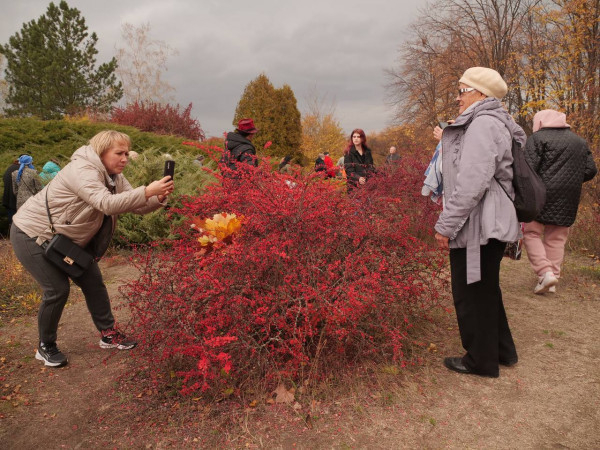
{"points": [[51, 67], [275, 114]]}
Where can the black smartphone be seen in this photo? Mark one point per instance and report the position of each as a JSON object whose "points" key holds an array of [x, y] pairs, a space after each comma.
{"points": [[169, 168], [443, 125]]}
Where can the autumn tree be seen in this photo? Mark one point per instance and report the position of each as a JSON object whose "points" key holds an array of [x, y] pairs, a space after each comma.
{"points": [[449, 37], [422, 89], [51, 67], [321, 131], [548, 52], [405, 138], [142, 64], [275, 114], [574, 86]]}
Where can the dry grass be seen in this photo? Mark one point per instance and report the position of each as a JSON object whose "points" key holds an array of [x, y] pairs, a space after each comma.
{"points": [[583, 235], [19, 293]]}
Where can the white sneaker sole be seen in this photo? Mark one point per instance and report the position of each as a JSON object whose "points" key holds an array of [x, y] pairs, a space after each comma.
{"points": [[546, 287], [117, 346], [39, 356]]}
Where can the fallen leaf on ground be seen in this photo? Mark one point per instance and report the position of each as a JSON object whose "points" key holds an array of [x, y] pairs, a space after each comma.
{"points": [[308, 421], [282, 395]]}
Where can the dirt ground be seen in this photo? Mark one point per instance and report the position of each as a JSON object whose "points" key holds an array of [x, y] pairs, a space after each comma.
{"points": [[550, 399]]}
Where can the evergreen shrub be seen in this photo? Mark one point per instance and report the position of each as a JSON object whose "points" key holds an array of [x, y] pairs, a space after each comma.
{"points": [[58, 139], [189, 178]]}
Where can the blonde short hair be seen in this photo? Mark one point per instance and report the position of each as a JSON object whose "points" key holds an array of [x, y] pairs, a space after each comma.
{"points": [[106, 139]]}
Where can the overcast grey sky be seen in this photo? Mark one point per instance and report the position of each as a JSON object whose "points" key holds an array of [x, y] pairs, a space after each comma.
{"points": [[339, 47]]}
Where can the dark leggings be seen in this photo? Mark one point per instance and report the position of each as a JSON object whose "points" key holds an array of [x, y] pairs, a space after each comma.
{"points": [[56, 286]]}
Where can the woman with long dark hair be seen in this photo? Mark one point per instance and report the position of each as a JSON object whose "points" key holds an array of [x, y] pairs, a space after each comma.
{"points": [[358, 160]]}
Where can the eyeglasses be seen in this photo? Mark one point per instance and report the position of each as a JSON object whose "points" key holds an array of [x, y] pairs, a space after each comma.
{"points": [[462, 91]]}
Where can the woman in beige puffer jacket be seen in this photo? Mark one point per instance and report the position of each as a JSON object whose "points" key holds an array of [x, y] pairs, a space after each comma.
{"points": [[89, 188]]}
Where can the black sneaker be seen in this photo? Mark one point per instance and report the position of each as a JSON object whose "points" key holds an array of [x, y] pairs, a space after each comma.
{"points": [[51, 355], [112, 338]]}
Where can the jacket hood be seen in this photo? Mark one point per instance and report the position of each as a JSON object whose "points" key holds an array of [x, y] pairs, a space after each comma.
{"points": [[492, 107], [50, 167], [235, 139], [549, 118], [87, 155]]}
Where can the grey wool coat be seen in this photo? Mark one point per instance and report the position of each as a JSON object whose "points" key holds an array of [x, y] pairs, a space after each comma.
{"points": [[476, 151]]}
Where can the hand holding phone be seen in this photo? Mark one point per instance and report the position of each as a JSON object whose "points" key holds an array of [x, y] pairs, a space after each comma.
{"points": [[443, 125], [169, 168]]}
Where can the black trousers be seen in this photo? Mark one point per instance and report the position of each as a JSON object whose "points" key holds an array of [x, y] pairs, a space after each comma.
{"points": [[482, 322], [56, 287]]}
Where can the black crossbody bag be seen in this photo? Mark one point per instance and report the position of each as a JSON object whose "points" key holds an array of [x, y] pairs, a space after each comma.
{"points": [[64, 253]]}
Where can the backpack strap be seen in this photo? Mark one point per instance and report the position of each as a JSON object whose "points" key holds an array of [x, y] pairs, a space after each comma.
{"points": [[497, 180]]}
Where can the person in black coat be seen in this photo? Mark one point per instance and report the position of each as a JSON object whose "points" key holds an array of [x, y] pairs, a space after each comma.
{"points": [[564, 162], [320, 163], [238, 146], [9, 198], [358, 160]]}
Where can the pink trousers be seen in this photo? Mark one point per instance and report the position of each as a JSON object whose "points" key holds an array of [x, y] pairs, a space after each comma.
{"points": [[545, 253]]}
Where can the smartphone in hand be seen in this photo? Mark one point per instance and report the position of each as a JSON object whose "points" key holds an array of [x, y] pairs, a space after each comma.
{"points": [[443, 125], [169, 168]]}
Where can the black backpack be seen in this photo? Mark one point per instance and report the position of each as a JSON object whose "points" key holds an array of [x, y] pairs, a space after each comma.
{"points": [[530, 190]]}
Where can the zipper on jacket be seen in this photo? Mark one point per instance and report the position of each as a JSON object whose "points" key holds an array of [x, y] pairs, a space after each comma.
{"points": [[76, 213]]}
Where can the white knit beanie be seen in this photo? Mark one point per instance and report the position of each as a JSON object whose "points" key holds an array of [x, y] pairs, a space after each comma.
{"points": [[485, 80]]}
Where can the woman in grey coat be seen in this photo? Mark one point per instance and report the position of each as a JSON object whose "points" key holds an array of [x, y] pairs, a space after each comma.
{"points": [[479, 219]]}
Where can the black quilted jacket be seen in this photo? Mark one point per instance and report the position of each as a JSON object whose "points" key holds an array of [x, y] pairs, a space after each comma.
{"points": [[564, 162], [238, 149]]}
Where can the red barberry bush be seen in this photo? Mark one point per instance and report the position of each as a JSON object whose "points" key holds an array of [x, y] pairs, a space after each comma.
{"points": [[160, 119], [312, 281]]}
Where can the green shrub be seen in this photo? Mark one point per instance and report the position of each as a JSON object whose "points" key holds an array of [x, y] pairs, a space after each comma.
{"points": [[189, 180], [58, 139]]}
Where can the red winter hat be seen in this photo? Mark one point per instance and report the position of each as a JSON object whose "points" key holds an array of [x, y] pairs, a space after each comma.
{"points": [[247, 126]]}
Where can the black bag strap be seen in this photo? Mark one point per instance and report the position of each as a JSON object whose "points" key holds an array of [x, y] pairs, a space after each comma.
{"points": [[498, 181], [49, 216]]}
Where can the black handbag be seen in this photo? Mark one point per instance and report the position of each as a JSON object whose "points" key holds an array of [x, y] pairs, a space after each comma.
{"points": [[67, 256], [64, 253]]}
